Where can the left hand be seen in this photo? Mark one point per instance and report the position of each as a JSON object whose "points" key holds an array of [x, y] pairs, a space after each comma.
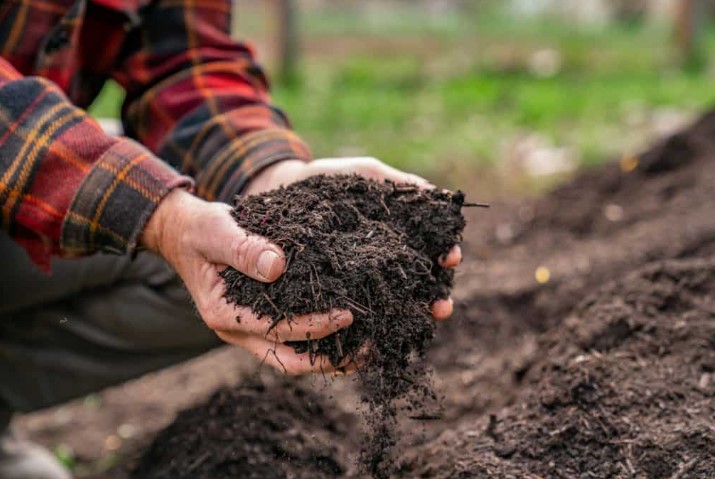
{"points": [[290, 171]]}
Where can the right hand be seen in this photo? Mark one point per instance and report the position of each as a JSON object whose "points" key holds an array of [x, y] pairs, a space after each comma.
{"points": [[199, 239]]}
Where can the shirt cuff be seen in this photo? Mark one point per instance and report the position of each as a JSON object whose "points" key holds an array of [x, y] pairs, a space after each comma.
{"points": [[115, 200], [253, 152]]}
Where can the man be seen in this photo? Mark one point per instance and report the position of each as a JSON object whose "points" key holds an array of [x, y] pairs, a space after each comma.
{"points": [[202, 131]]}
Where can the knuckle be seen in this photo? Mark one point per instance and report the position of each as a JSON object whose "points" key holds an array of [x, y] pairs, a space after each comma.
{"points": [[373, 164]]}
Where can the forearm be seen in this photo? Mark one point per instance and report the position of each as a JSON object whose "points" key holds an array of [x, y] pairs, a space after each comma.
{"points": [[67, 188]]}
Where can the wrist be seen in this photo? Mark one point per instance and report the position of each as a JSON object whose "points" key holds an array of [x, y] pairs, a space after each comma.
{"points": [[164, 217], [275, 175]]}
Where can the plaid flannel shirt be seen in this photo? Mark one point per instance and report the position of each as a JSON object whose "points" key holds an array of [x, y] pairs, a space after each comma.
{"points": [[196, 102]]}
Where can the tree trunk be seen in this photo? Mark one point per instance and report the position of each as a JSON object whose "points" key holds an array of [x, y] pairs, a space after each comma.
{"points": [[285, 42]]}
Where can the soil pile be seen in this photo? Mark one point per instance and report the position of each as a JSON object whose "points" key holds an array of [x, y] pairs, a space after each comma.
{"points": [[368, 247], [254, 431], [625, 389], [574, 378], [639, 210]]}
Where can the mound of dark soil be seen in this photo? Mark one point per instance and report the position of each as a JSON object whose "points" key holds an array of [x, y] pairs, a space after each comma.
{"points": [[625, 388], [572, 378], [369, 247], [255, 431], [664, 212]]}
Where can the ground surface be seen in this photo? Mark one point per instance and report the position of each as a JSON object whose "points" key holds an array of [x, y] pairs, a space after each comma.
{"points": [[583, 344]]}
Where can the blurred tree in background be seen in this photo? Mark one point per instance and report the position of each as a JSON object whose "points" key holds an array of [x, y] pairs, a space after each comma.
{"points": [[506, 94]]}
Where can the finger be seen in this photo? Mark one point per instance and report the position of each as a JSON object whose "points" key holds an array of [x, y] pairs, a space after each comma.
{"points": [[366, 167], [280, 356], [442, 309], [393, 174], [229, 318], [452, 258], [345, 370], [225, 243], [311, 326]]}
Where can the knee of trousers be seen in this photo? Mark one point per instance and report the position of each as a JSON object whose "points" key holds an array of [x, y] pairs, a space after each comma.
{"points": [[99, 337]]}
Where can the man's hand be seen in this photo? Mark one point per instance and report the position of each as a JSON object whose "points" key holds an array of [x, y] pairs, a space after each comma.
{"points": [[199, 239], [287, 172]]}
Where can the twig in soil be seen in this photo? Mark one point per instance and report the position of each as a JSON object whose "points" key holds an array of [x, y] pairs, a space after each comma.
{"points": [[476, 205], [360, 307], [406, 188], [357, 211], [628, 459], [427, 417], [200, 460], [382, 202], [339, 345], [317, 278], [427, 271], [337, 218], [683, 468], [491, 429], [312, 289], [278, 318], [275, 355], [263, 361], [406, 379], [366, 288]]}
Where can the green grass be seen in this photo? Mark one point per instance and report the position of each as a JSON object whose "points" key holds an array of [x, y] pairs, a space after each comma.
{"points": [[448, 101]]}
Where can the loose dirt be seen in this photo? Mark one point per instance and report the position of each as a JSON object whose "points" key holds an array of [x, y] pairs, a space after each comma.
{"points": [[605, 367]]}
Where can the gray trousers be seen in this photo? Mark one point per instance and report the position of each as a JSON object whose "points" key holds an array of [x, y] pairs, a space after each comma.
{"points": [[93, 323]]}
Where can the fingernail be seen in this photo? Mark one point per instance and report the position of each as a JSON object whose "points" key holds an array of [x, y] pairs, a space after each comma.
{"points": [[267, 262]]}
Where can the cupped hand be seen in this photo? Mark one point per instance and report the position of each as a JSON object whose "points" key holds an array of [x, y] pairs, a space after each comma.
{"points": [[199, 239], [286, 172]]}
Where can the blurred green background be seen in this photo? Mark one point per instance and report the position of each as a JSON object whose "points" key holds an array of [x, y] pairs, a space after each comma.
{"points": [[497, 95]]}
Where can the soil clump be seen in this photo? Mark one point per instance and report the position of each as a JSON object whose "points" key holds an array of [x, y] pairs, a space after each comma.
{"points": [[369, 247]]}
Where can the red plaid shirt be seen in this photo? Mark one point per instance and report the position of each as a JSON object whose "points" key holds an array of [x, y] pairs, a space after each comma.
{"points": [[196, 101]]}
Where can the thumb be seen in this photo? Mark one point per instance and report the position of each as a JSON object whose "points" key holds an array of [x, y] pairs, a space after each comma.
{"points": [[253, 255]]}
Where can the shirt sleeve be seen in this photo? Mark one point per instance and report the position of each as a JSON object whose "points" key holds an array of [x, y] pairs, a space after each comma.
{"points": [[197, 98], [66, 188]]}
